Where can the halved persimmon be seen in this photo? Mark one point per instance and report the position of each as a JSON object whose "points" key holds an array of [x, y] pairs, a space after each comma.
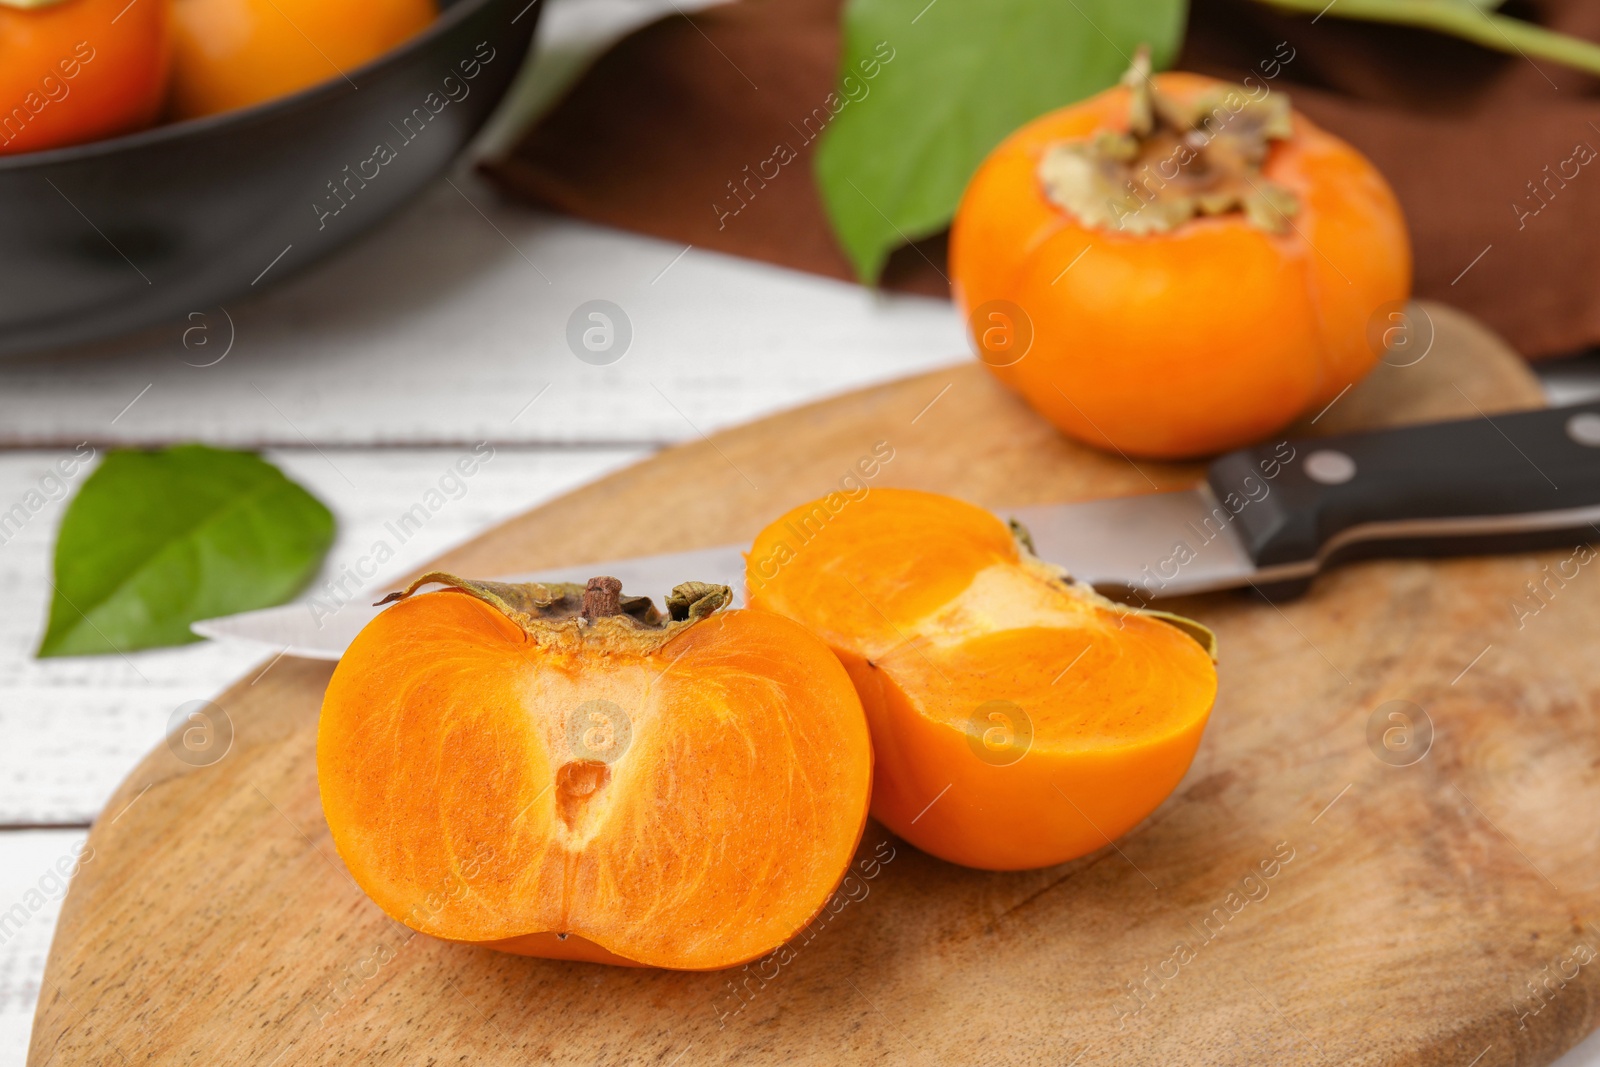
{"points": [[1018, 719], [563, 772]]}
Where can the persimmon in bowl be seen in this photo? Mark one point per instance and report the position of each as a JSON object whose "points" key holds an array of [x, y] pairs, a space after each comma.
{"points": [[79, 70], [564, 772], [158, 226]]}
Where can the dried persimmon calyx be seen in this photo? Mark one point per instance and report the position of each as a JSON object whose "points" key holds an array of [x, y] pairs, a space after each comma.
{"points": [[547, 609], [1175, 162], [692, 601]]}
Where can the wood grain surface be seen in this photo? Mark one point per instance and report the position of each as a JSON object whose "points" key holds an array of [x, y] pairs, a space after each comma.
{"points": [[1298, 900]]}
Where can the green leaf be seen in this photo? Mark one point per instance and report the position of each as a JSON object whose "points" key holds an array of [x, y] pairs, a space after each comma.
{"points": [[959, 76], [155, 540]]}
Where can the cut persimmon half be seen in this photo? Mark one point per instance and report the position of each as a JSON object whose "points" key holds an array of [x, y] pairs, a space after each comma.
{"points": [[1019, 719], [561, 771]]}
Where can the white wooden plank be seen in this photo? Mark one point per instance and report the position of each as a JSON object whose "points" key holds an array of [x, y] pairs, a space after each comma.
{"points": [[1585, 1054], [31, 889], [74, 727], [444, 324]]}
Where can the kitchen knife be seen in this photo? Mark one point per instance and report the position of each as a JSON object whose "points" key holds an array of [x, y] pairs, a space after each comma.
{"points": [[1268, 517]]}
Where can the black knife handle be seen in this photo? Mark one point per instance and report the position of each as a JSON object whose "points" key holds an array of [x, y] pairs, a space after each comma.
{"points": [[1502, 482]]}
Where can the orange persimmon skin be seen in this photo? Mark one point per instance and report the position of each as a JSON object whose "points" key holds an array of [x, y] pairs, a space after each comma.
{"points": [[729, 813], [1194, 341], [81, 70], [234, 53], [932, 609]]}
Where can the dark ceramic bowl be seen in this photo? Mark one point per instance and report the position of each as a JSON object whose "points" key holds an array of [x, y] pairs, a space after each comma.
{"points": [[102, 238]]}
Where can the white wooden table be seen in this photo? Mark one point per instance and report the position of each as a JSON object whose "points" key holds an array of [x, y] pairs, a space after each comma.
{"points": [[364, 379]]}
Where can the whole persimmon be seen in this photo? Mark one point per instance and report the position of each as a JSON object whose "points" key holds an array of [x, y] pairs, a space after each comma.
{"points": [[561, 771], [1177, 266], [1018, 718], [78, 70], [234, 53]]}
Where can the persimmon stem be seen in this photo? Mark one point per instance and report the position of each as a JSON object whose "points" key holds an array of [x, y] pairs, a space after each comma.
{"points": [[595, 611], [1179, 159], [602, 597], [1461, 19]]}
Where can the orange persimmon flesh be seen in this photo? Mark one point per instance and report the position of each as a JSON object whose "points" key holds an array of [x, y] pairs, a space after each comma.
{"points": [[1018, 719], [700, 820]]}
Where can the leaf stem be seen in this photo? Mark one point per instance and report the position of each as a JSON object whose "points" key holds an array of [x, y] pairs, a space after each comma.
{"points": [[1461, 19]]}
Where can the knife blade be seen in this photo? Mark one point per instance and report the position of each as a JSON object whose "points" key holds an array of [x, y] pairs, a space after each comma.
{"points": [[1268, 517]]}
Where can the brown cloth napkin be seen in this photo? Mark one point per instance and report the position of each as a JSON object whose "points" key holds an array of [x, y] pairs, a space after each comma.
{"points": [[1482, 148]]}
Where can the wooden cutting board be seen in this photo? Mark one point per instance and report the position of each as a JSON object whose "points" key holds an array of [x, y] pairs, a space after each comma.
{"points": [[1297, 900]]}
